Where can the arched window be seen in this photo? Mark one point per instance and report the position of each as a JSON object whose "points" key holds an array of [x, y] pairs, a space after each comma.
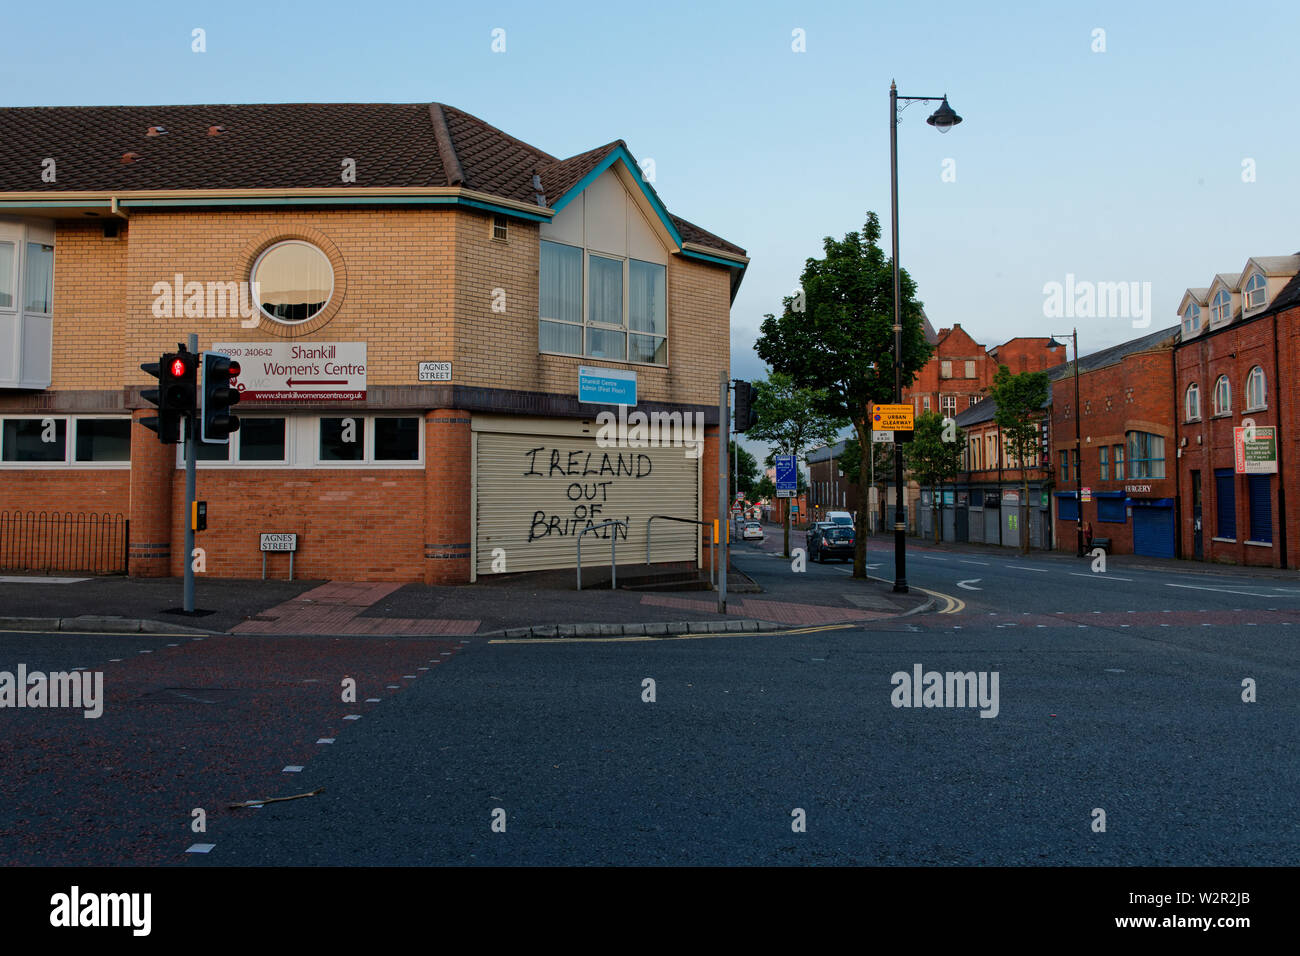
{"points": [[1192, 403], [1255, 389], [1221, 308], [1191, 319], [1254, 291], [1222, 396]]}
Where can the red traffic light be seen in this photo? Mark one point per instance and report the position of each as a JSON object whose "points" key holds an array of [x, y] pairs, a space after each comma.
{"points": [[234, 369], [178, 368]]}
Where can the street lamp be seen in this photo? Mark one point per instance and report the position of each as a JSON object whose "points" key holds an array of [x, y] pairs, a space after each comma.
{"points": [[942, 119]]}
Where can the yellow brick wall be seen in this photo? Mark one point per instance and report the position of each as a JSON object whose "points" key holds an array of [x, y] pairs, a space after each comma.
{"points": [[414, 284]]}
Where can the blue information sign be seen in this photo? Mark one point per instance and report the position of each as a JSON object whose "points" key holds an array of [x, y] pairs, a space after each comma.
{"points": [[606, 386], [787, 479]]}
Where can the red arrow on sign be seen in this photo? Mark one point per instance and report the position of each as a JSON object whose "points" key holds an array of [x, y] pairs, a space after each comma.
{"points": [[303, 381]]}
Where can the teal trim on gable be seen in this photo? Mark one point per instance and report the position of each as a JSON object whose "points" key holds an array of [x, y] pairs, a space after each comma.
{"points": [[332, 201], [619, 154], [55, 203], [716, 260]]}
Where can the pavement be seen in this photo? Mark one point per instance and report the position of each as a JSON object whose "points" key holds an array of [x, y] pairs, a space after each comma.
{"points": [[766, 597]]}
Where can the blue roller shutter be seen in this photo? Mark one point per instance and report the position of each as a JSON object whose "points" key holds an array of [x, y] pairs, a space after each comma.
{"points": [[1110, 507], [1067, 507], [1260, 490], [1225, 504], [1153, 530]]}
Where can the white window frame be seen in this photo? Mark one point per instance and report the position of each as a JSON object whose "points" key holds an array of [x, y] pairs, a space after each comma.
{"points": [[1225, 407], [502, 221], [970, 368], [1255, 285], [69, 446], [626, 328], [1192, 403], [1221, 308], [1191, 319], [253, 284], [948, 405], [1256, 374], [367, 461], [945, 368]]}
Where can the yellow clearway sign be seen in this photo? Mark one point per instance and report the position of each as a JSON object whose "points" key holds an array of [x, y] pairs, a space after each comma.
{"points": [[891, 418]]}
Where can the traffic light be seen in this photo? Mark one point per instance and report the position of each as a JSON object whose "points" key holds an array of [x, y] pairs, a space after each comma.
{"points": [[174, 396], [218, 395], [746, 415]]}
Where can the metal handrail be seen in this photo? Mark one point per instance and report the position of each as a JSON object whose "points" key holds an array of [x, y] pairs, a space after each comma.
{"points": [[708, 527], [613, 539]]}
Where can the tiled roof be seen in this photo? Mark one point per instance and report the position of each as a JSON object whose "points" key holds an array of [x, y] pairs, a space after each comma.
{"points": [[825, 452], [279, 146], [1110, 356]]}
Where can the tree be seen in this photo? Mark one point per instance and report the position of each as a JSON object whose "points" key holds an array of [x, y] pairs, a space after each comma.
{"points": [[744, 480], [792, 419], [879, 472], [836, 335], [1020, 400], [934, 455], [764, 488]]}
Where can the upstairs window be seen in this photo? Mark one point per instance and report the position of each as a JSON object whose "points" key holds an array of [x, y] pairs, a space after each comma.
{"points": [[1254, 291], [949, 405], [1103, 460], [1191, 319], [626, 306], [1255, 390], [1146, 455], [945, 369], [8, 257], [293, 281], [38, 278], [1192, 403], [1220, 309], [970, 368], [1222, 396]]}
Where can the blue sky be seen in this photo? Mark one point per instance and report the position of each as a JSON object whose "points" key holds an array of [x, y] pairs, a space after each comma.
{"points": [[1124, 165]]}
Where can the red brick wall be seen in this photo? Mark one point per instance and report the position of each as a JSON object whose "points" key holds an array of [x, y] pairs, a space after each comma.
{"points": [[352, 525], [84, 541], [1134, 394], [1234, 351]]}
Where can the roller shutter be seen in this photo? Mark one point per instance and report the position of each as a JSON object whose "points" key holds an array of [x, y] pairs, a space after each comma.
{"points": [[1153, 530], [1225, 503], [1261, 507], [535, 492]]}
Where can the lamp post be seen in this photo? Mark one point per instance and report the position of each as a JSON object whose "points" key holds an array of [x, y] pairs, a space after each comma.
{"points": [[1078, 443], [942, 119]]}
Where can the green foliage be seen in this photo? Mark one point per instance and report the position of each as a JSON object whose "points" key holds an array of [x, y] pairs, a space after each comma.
{"points": [[790, 418], [851, 462], [764, 488], [931, 460], [743, 472], [1020, 412]]}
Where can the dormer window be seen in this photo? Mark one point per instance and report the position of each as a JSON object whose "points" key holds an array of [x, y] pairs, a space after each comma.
{"points": [[1191, 319], [1254, 292], [1221, 308]]}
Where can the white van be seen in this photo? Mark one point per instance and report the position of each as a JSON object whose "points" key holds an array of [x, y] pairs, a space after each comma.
{"points": [[839, 517]]}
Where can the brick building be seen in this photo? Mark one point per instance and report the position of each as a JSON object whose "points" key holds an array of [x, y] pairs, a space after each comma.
{"points": [[1237, 362], [1127, 435], [960, 370], [339, 251], [828, 489], [984, 503]]}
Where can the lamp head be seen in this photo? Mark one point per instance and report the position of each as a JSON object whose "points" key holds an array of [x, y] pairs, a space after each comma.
{"points": [[944, 118]]}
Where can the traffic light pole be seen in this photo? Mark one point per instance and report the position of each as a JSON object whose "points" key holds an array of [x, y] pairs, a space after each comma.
{"points": [[191, 467]]}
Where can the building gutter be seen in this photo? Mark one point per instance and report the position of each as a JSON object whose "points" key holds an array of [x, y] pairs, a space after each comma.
{"points": [[1281, 471]]}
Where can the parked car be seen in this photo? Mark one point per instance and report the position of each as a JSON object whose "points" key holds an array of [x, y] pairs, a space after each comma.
{"points": [[813, 531], [753, 530], [840, 517], [833, 541]]}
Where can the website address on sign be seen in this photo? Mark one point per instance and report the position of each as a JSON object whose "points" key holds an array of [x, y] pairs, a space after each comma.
{"points": [[297, 396]]}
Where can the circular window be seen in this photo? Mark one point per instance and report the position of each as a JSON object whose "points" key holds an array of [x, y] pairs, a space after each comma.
{"points": [[292, 281]]}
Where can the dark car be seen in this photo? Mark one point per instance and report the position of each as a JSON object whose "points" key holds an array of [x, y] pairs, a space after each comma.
{"points": [[814, 530], [832, 541]]}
